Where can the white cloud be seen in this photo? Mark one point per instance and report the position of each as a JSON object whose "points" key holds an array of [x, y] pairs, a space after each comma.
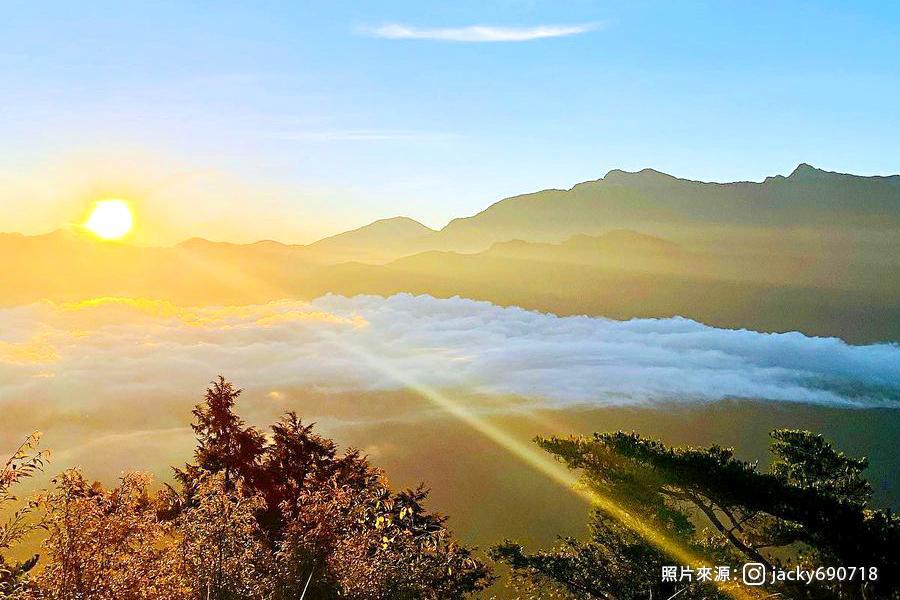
{"points": [[479, 33], [116, 351]]}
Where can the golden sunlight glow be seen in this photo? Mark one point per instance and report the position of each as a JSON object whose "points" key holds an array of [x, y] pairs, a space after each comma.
{"points": [[554, 470], [538, 460], [110, 219]]}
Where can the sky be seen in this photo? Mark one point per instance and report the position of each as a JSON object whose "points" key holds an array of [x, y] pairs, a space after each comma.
{"points": [[294, 120]]}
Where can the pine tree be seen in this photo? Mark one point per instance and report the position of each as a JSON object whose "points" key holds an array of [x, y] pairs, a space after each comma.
{"points": [[225, 444], [810, 509]]}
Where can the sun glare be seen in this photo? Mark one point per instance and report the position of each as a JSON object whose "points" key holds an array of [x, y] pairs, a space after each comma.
{"points": [[110, 219]]}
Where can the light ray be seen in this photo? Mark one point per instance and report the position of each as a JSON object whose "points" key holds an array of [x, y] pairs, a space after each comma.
{"points": [[547, 466], [527, 453]]}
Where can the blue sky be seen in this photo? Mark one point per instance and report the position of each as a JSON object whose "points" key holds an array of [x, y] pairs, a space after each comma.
{"points": [[292, 120]]}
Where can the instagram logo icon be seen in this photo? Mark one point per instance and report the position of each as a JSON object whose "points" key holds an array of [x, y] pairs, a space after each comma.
{"points": [[754, 574]]}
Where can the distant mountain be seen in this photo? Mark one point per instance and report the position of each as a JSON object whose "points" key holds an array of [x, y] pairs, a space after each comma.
{"points": [[66, 266], [380, 241], [810, 206], [814, 251], [627, 251], [620, 274], [626, 275], [802, 212], [613, 246], [684, 210]]}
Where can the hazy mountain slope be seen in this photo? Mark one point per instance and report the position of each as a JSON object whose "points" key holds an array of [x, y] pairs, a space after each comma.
{"points": [[380, 241], [65, 267], [682, 209], [710, 289], [619, 275], [807, 207], [815, 251], [805, 211], [830, 266], [614, 247]]}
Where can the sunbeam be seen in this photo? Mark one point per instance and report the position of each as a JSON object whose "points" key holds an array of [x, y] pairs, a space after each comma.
{"points": [[546, 466]]}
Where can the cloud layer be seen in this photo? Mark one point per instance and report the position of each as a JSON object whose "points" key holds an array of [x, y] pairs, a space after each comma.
{"points": [[479, 33], [116, 349]]}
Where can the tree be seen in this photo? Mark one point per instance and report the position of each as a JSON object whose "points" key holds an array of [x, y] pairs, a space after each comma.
{"points": [[115, 544], [107, 544], [810, 509], [220, 546], [224, 442], [253, 520], [371, 544], [24, 463], [614, 562], [329, 520]]}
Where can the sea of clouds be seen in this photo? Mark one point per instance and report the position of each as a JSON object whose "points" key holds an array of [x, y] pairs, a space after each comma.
{"points": [[116, 348]]}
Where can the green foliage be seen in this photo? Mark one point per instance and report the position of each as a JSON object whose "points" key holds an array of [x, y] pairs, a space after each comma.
{"points": [[614, 562], [805, 460], [810, 509]]}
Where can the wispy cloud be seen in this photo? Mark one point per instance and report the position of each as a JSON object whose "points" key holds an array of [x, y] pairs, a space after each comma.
{"points": [[479, 33]]}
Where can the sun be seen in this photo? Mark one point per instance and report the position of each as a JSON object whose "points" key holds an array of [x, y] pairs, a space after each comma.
{"points": [[110, 219]]}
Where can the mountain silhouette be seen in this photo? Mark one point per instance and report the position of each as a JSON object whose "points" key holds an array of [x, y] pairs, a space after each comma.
{"points": [[779, 208], [815, 251], [809, 202], [682, 209], [379, 241]]}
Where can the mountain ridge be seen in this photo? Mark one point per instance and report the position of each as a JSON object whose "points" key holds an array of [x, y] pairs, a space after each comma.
{"points": [[835, 289], [647, 200], [662, 204]]}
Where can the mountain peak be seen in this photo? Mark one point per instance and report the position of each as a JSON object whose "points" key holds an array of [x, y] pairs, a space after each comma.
{"points": [[644, 177], [643, 173], [805, 170], [377, 240], [398, 223]]}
